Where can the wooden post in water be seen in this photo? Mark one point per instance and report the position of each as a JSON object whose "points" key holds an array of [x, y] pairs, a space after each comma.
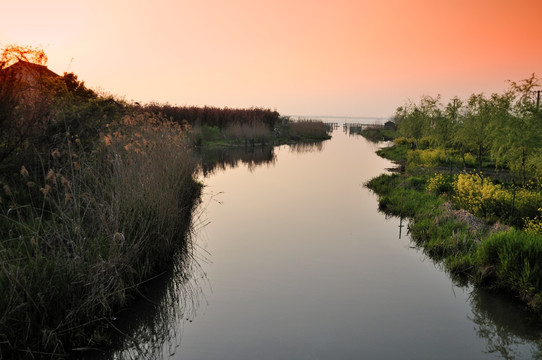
{"points": [[401, 217]]}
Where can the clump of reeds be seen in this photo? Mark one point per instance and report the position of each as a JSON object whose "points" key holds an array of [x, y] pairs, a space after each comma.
{"points": [[307, 129], [213, 116], [258, 132], [79, 235]]}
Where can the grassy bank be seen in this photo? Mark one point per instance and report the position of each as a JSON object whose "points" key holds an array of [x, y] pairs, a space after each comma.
{"points": [[484, 230], [377, 133]]}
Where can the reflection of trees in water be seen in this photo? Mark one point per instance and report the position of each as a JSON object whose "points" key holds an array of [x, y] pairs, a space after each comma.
{"points": [[213, 160], [152, 329], [220, 159], [509, 329], [306, 147]]}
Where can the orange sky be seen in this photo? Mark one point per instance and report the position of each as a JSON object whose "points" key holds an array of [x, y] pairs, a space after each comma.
{"points": [[300, 57]]}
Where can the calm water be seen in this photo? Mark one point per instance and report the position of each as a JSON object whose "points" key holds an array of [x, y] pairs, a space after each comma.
{"points": [[292, 260]]}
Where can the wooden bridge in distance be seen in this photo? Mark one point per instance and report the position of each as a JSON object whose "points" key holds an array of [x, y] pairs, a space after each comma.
{"points": [[352, 127], [357, 125]]}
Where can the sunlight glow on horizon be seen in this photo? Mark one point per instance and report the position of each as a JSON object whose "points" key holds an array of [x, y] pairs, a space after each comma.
{"points": [[343, 58]]}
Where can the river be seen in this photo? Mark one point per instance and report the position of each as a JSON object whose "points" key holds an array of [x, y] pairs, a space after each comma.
{"points": [[292, 260]]}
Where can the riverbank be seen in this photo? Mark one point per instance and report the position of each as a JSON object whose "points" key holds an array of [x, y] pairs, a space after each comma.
{"points": [[482, 230], [83, 229], [96, 198]]}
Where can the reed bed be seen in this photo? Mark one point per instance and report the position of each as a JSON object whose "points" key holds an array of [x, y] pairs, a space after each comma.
{"points": [[258, 132], [214, 116], [313, 129], [86, 230]]}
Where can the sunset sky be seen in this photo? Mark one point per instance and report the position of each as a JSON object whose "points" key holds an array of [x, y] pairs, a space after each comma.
{"points": [[299, 57]]}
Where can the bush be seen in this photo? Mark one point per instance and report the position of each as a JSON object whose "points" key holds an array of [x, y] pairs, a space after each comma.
{"points": [[429, 158], [401, 140], [439, 184], [480, 196], [534, 225]]}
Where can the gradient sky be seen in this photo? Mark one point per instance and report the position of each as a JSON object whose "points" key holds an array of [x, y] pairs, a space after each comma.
{"points": [[299, 57]]}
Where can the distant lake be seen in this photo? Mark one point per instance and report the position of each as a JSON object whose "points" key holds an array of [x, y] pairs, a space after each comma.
{"points": [[292, 260]]}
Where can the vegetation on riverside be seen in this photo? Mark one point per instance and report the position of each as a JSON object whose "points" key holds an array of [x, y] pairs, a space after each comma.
{"points": [[96, 195], [218, 127], [501, 131], [472, 186], [379, 133]]}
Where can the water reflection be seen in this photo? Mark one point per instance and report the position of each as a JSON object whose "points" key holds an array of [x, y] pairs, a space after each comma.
{"points": [[220, 159], [511, 331], [306, 147], [213, 160], [153, 327], [505, 330]]}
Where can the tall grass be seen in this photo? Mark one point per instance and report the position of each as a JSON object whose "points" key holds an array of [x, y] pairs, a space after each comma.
{"points": [[311, 129], [511, 261], [257, 132], [213, 116], [81, 235]]}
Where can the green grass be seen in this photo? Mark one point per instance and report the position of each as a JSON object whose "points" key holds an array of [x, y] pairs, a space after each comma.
{"points": [[505, 260], [396, 153], [511, 261]]}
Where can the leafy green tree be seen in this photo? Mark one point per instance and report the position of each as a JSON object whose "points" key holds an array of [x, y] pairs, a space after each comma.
{"points": [[474, 126], [518, 128], [76, 88], [444, 122], [419, 120]]}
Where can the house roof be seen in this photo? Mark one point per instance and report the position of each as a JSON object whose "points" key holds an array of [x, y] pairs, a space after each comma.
{"points": [[30, 69]]}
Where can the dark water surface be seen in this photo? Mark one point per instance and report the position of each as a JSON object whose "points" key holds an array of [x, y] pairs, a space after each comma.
{"points": [[292, 260]]}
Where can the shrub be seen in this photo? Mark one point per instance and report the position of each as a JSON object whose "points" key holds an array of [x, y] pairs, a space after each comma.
{"points": [[534, 225], [480, 196], [429, 158], [439, 184], [401, 140]]}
